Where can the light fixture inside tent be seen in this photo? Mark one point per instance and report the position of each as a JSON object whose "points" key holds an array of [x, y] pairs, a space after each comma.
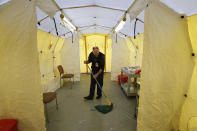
{"points": [[66, 23], [120, 25]]}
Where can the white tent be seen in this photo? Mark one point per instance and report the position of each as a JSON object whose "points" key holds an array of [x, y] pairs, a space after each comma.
{"points": [[165, 40], [90, 16]]}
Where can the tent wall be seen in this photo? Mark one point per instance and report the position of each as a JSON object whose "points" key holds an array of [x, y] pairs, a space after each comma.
{"points": [[125, 53], [49, 49], [166, 69], [82, 51], [188, 120], [20, 86], [136, 48], [70, 56], [108, 54], [91, 40]]}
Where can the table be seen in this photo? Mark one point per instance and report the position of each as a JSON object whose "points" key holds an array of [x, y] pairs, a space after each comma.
{"points": [[131, 73], [127, 86]]}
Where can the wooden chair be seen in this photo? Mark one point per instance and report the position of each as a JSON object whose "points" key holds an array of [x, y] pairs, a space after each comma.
{"points": [[63, 75], [47, 98]]}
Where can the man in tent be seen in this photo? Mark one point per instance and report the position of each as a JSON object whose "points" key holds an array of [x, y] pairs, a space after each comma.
{"points": [[98, 62]]}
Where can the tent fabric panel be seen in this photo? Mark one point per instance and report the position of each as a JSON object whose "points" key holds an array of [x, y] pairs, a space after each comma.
{"points": [[20, 86], [126, 52], [189, 114], [109, 54], [40, 14], [70, 57], [93, 12], [73, 3], [136, 48], [183, 6], [123, 4], [137, 7], [97, 30], [120, 56], [49, 49], [82, 22], [166, 69], [82, 55], [193, 31], [47, 6]]}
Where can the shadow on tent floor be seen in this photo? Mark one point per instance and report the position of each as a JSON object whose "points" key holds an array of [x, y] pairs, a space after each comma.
{"points": [[76, 114]]}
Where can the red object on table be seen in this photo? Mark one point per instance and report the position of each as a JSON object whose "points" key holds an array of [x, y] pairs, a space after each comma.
{"points": [[124, 78], [8, 125], [138, 72]]}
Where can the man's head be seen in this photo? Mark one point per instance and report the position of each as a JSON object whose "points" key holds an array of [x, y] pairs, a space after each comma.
{"points": [[95, 51]]}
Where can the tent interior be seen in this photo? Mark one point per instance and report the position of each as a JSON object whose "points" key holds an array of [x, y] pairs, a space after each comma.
{"points": [[155, 37]]}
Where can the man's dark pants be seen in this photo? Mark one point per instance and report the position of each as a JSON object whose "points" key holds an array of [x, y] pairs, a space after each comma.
{"points": [[93, 84]]}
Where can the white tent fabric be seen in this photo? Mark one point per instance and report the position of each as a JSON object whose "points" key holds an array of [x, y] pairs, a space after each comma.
{"points": [[118, 59], [49, 8], [166, 70], [91, 17], [90, 13], [49, 49], [70, 57], [187, 7], [20, 86], [125, 52], [54, 51], [163, 57], [96, 14]]}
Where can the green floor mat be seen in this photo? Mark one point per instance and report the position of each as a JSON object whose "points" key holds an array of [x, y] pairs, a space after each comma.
{"points": [[104, 108]]}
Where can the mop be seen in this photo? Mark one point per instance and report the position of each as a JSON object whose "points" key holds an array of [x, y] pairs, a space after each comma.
{"points": [[102, 108]]}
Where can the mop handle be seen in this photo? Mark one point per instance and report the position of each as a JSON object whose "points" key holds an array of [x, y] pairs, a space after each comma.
{"points": [[96, 81]]}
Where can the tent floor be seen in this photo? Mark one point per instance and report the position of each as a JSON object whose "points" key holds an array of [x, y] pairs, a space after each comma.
{"points": [[76, 114]]}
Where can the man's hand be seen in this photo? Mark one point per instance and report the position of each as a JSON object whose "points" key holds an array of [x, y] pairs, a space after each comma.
{"points": [[95, 76], [86, 62]]}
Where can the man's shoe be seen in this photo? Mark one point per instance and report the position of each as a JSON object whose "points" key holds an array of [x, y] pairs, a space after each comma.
{"points": [[88, 98], [98, 97]]}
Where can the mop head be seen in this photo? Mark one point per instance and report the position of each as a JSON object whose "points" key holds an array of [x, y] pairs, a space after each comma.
{"points": [[104, 108]]}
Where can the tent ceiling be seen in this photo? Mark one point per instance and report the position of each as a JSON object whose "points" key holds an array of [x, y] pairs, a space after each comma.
{"points": [[99, 15], [123, 4], [92, 16], [187, 7]]}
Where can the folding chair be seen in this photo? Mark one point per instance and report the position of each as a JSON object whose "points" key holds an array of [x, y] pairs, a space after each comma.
{"points": [[63, 75]]}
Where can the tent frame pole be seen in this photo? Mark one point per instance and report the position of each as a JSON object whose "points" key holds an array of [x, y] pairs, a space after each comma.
{"points": [[55, 26], [135, 28], [109, 8], [105, 51], [86, 7], [86, 55]]}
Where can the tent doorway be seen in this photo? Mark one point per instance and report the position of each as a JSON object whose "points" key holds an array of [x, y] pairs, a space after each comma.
{"points": [[88, 42]]}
